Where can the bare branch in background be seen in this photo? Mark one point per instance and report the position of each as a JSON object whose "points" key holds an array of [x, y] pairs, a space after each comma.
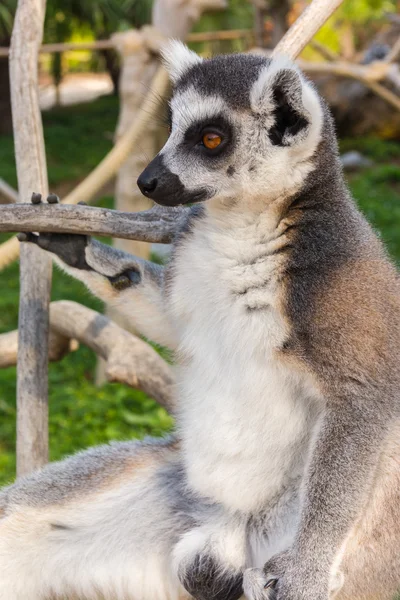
{"points": [[59, 346], [306, 26], [7, 194]]}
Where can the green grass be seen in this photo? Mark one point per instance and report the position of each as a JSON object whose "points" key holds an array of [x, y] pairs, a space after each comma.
{"points": [[82, 415], [377, 189], [76, 137]]}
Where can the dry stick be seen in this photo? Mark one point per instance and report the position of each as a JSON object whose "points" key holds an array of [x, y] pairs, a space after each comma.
{"points": [[157, 225], [206, 36], [59, 346], [129, 360], [35, 268], [394, 53], [109, 166], [367, 75], [306, 26], [8, 193]]}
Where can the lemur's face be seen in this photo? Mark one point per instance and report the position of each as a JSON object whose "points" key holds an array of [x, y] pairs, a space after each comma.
{"points": [[243, 128]]}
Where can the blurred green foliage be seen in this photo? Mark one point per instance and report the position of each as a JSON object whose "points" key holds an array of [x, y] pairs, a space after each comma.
{"points": [[76, 138], [64, 17]]}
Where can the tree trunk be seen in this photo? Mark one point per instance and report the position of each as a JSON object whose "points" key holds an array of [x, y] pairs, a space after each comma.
{"points": [[35, 265], [5, 98]]}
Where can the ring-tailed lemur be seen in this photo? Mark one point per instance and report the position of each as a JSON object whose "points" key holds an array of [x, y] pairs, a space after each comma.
{"points": [[284, 313]]}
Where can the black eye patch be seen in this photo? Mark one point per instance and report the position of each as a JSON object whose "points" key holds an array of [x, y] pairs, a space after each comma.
{"points": [[217, 124]]}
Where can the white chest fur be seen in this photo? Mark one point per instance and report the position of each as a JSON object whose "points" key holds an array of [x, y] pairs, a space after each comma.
{"points": [[244, 416]]}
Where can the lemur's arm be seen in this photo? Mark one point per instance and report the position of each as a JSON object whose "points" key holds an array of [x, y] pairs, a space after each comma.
{"points": [[133, 285], [339, 477]]}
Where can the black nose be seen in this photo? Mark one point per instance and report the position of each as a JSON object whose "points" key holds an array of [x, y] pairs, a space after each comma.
{"points": [[147, 183]]}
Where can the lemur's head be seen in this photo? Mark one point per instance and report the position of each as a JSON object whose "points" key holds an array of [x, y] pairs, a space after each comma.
{"points": [[242, 126]]}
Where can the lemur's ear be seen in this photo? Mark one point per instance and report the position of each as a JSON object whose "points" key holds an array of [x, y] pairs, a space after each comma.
{"points": [[178, 59], [288, 103]]}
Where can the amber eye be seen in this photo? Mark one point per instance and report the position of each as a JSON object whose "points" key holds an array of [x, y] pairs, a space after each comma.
{"points": [[211, 140]]}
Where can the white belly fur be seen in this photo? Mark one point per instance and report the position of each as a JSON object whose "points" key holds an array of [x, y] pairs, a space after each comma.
{"points": [[244, 415]]}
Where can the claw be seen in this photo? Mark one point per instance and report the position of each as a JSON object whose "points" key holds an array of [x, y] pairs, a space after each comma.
{"points": [[36, 198], [271, 583], [53, 199], [27, 237]]}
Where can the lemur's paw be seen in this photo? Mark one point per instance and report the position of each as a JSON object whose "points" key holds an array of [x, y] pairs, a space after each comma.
{"points": [[286, 576], [70, 248], [256, 586], [206, 579]]}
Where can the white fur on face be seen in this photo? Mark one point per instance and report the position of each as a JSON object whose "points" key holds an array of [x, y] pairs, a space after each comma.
{"points": [[188, 108], [260, 171]]}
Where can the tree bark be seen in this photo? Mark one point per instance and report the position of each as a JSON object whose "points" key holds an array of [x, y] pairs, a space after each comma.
{"points": [[35, 266], [128, 359], [156, 225]]}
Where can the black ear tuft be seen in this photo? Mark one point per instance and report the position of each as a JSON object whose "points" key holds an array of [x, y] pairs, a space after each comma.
{"points": [[289, 120]]}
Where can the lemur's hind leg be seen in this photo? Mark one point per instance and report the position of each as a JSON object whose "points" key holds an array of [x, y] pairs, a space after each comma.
{"points": [[101, 524], [116, 523], [371, 560], [368, 567], [133, 285]]}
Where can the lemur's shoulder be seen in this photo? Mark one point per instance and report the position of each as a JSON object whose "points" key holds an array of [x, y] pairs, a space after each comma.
{"points": [[341, 294]]}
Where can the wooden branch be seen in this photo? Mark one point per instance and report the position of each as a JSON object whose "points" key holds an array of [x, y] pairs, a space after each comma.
{"points": [[394, 52], [8, 193], [35, 266], [59, 346], [206, 36], [306, 26], [157, 225], [109, 166], [368, 75], [129, 359], [324, 51], [383, 92]]}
